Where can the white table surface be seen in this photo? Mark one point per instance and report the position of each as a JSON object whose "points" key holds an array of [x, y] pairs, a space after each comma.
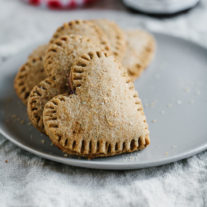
{"points": [[27, 180]]}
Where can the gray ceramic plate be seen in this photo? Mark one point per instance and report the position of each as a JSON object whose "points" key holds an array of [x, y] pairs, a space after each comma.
{"points": [[174, 93]]}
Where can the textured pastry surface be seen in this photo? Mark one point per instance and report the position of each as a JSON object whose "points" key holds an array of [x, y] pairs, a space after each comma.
{"points": [[30, 74], [39, 51], [103, 117], [58, 60], [84, 28], [62, 53], [40, 95], [115, 36], [139, 52]]}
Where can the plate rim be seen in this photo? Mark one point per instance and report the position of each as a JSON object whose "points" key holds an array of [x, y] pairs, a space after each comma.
{"points": [[104, 165]]}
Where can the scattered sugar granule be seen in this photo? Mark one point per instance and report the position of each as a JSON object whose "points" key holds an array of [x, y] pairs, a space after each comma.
{"points": [[6, 161], [153, 104], [146, 105], [131, 158], [154, 121], [162, 112], [166, 153], [179, 102], [65, 155], [174, 146], [191, 101], [187, 90], [198, 92], [43, 141], [169, 105], [157, 76]]}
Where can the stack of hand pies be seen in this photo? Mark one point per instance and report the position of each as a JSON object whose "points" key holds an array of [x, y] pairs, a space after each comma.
{"points": [[79, 88]]}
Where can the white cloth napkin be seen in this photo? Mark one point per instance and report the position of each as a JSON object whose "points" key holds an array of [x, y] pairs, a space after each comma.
{"points": [[29, 181]]}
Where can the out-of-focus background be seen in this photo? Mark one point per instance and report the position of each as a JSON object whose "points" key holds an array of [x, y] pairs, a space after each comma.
{"points": [[27, 180], [23, 24]]}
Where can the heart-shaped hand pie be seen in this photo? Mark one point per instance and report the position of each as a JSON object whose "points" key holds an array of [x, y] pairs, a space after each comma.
{"points": [[84, 28], [40, 95], [139, 53], [30, 74], [58, 60], [103, 117], [115, 36]]}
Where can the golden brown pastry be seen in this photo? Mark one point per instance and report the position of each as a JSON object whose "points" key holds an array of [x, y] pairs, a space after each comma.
{"points": [[103, 116]]}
